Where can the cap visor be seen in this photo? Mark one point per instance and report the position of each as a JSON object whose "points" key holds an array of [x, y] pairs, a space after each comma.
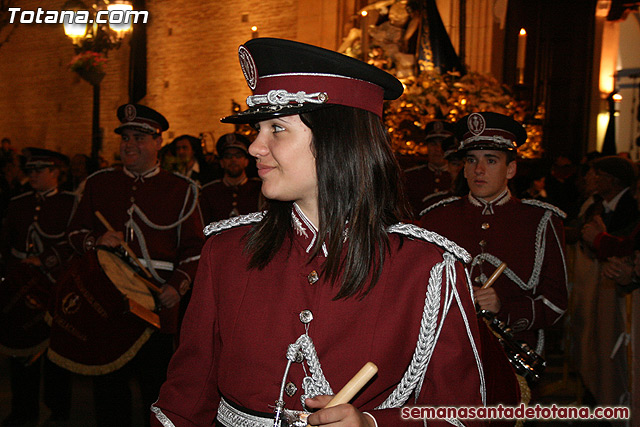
{"points": [[485, 146], [140, 128], [258, 114]]}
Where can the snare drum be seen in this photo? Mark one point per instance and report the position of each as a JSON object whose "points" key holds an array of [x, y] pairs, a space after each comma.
{"points": [[24, 297], [103, 314]]}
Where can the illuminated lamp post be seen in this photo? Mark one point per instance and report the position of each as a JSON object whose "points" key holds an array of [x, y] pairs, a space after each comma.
{"points": [[92, 40]]}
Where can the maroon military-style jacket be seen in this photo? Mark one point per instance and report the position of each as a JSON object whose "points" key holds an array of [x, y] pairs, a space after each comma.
{"points": [[422, 181], [220, 201], [35, 226], [158, 213], [240, 322], [528, 236]]}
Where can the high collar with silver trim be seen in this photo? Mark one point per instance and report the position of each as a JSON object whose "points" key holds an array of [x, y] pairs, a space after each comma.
{"points": [[155, 170], [502, 199], [300, 220]]}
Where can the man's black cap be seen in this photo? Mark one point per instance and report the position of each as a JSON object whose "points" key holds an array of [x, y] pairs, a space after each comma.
{"points": [[289, 77], [232, 140], [141, 118], [438, 130], [37, 158], [489, 131]]}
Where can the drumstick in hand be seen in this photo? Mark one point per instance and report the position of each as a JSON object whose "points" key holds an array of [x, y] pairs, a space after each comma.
{"points": [[126, 247], [354, 385], [494, 276]]}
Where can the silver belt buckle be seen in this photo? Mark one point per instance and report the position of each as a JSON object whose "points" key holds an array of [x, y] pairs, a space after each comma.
{"points": [[292, 418]]}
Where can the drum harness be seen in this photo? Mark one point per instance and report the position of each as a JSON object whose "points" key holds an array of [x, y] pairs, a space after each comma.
{"points": [[133, 231]]}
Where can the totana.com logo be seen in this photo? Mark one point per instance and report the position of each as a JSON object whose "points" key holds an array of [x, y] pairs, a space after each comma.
{"points": [[42, 16]]}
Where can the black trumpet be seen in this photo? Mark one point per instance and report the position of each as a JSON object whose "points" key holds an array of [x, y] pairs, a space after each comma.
{"points": [[526, 362]]}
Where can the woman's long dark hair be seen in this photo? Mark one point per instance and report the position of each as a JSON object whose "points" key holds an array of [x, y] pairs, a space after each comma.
{"points": [[359, 186]]}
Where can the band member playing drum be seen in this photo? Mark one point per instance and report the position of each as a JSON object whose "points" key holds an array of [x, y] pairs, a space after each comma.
{"points": [[496, 228], [289, 304], [33, 240], [155, 214]]}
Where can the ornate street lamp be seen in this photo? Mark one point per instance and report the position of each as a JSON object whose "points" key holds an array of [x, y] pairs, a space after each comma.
{"points": [[92, 41]]}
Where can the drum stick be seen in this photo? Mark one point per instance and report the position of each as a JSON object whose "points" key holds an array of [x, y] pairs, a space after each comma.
{"points": [[494, 276], [126, 247], [354, 385]]}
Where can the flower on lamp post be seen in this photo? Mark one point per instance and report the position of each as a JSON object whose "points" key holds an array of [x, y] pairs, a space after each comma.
{"points": [[89, 65]]}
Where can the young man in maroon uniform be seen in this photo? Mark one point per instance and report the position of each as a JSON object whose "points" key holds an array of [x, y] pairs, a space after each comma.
{"points": [[33, 234], [496, 228], [235, 194], [156, 213]]}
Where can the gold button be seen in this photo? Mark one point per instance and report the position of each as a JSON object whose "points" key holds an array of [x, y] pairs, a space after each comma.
{"points": [[134, 188], [38, 208], [483, 243], [312, 277], [235, 195], [485, 226], [437, 180], [35, 217], [234, 204], [133, 199]]}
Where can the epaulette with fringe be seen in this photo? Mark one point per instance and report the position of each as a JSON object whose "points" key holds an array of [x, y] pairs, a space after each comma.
{"points": [[420, 233], [440, 203], [544, 205], [237, 221]]}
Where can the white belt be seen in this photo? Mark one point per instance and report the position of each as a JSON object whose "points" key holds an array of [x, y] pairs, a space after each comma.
{"points": [[158, 265], [231, 417]]}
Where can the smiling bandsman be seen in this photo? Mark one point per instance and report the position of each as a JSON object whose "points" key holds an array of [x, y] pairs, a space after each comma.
{"points": [[156, 213]]}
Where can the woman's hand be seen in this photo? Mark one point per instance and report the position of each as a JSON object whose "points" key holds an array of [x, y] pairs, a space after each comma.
{"points": [[340, 415]]}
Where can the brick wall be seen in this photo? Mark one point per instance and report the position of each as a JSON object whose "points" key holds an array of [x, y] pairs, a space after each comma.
{"points": [[193, 72]]}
